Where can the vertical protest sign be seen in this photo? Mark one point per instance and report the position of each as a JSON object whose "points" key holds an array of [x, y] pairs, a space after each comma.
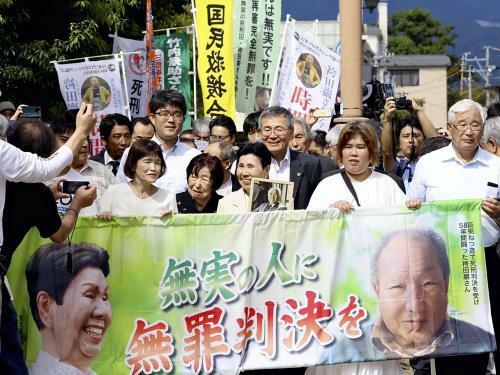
{"points": [[135, 69], [214, 28], [256, 50], [96, 82], [308, 76], [154, 58], [175, 48]]}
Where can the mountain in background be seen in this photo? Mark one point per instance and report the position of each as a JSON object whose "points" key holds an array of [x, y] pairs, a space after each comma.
{"points": [[463, 14]]}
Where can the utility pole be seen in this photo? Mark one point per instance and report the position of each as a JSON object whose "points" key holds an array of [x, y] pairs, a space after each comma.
{"points": [[470, 82]]}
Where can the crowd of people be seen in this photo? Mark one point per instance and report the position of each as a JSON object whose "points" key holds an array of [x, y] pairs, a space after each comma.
{"points": [[150, 167]]}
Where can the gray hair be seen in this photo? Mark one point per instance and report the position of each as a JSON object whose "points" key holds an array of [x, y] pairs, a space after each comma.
{"points": [[277, 190], [491, 130], [277, 112], [332, 137], [4, 124], [463, 106], [433, 240], [227, 151], [307, 130], [200, 125]]}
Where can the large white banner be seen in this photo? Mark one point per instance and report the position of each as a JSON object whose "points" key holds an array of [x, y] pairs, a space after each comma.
{"points": [[308, 76], [135, 69], [95, 82]]}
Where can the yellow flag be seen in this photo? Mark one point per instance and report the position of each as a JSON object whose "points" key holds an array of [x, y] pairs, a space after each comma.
{"points": [[214, 31]]}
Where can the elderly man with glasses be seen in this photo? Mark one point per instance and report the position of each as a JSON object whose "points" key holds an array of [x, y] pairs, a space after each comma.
{"points": [[463, 170], [168, 109]]}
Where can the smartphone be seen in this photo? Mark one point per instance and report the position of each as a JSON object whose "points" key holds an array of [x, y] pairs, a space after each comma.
{"points": [[492, 190], [322, 112], [31, 111], [70, 187]]}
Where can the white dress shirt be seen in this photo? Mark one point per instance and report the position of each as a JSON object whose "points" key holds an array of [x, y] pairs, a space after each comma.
{"points": [[19, 166], [107, 161], [226, 187], [441, 175], [280, 171], [177, 159]]}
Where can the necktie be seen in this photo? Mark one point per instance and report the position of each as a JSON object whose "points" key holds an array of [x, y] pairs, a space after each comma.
{"points": [[114, 166]]}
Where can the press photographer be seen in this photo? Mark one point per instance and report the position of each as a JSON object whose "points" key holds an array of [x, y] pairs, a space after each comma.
{"points": [[400, 157]]}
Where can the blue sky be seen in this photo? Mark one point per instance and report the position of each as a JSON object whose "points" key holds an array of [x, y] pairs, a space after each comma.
{"points": [[460, 13]]}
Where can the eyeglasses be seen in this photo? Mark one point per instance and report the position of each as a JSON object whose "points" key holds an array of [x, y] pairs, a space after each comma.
{"points": [[475, 127], [278, 130], [176, 115]]}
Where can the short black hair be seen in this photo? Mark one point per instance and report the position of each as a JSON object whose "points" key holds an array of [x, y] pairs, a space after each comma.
{"points": [[143, 120], [433, 144], [319, 137], [110, 121], [213, 164], [258, 149], [493, 110], [66, 124], [251, 122], [224, 121], [47, 270], [33, 136], [162, 98], [140, 149]]}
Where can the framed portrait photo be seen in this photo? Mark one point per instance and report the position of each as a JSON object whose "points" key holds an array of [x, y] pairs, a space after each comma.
{"points": [[270, 195]]}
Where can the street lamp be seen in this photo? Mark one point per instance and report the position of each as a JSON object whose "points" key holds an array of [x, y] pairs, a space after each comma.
{"points": [[371, 5]]}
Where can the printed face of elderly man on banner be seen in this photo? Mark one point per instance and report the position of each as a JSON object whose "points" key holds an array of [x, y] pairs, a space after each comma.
{"points": [[410, 272]]}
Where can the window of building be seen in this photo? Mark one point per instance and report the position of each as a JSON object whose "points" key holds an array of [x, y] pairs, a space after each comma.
{"points": [[405, 77]]}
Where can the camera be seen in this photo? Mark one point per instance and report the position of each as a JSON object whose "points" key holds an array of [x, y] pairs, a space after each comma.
{"points": [[70, 187], [374, 95], [403, 103]]}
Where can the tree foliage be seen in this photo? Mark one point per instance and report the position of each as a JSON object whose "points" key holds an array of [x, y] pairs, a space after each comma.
{"points": [[415, 32], [34, 33]]}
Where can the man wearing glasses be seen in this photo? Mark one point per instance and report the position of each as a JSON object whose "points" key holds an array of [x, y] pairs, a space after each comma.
{"points": [[463, 170], [302, 169], [168, 109], [222, 128]]}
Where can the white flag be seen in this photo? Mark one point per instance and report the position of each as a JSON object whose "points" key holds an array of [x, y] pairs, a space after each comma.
{"points": [[308, 76]]}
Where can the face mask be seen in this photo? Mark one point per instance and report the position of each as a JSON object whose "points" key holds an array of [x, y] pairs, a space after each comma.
{"points": [[201, 145]]}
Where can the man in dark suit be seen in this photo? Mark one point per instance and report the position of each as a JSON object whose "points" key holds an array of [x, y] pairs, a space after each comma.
{"points": [[116, 133], [302, 169]]}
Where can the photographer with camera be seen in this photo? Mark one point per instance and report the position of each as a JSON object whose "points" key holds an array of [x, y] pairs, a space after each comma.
{"points": [[409, 133]]}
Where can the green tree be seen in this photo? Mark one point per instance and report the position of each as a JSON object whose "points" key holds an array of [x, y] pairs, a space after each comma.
{"points": [[36, 32], [415, 32]]}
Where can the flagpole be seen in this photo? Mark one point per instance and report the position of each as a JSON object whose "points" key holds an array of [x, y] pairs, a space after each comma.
{"points": [[121, 59], [195, 70], [273, 91]]}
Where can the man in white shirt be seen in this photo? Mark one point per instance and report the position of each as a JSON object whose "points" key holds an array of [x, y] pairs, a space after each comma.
{"points": [[463, 170], [304, 170], [168, 109], [19, 166]]}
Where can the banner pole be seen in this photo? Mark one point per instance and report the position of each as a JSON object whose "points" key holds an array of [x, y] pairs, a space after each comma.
{"points": [[195, 70], [88, 58], [126, 107], [273, 91]]}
